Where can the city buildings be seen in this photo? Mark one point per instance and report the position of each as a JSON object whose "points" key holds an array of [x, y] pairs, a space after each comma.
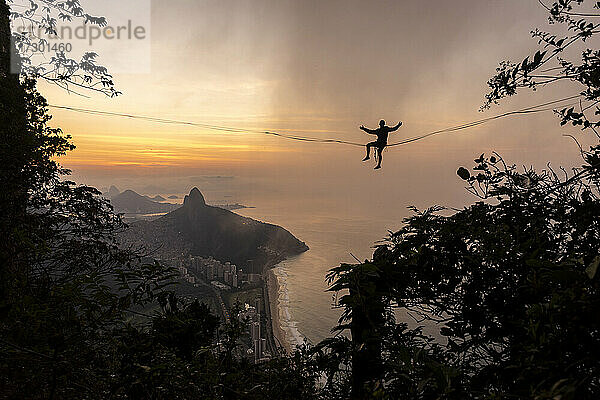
{"points": [[227, 276], [209, 269], [259, 343]]}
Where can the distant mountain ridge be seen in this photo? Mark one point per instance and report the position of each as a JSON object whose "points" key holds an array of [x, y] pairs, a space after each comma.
{"points": [[202, 230], [112, 192], [134, 203]]}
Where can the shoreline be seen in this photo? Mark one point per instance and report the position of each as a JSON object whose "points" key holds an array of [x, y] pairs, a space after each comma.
{"points": [[273, 291]]}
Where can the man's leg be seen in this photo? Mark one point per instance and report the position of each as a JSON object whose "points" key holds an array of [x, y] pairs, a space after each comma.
{"points": [[379, 156], [369, 145]]}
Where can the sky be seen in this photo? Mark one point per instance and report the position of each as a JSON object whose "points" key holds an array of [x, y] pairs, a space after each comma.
{"points": [[324, 68]]}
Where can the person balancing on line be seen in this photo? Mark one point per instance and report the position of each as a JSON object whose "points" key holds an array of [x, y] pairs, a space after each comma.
{"points": [[382, 136]]}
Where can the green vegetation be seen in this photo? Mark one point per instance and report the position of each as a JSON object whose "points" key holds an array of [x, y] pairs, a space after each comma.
{"points": [[511, 281], [68, 292], [197, 228], [189, 291], [232, 297]]}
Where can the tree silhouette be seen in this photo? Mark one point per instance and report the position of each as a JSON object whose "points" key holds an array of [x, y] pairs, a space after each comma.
{"points": [[548, 66], [68, 73], [508, 287]]}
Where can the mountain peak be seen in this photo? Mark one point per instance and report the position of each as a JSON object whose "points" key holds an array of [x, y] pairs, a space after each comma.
{"points": [[194, 198], [112, 191]]}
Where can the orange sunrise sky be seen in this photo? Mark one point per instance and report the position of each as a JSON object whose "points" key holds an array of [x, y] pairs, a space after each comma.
{"points": [[320, 68]]}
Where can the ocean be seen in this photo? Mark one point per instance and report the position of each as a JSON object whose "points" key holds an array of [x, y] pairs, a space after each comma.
{"points": [[306, 307], [336, 219]]}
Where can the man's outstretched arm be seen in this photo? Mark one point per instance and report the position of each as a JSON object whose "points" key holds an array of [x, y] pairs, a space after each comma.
{"points": [[395, 128], [371, 131]]}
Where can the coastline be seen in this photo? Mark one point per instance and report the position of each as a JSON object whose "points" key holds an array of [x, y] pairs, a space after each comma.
{"points": [[273, 291]]}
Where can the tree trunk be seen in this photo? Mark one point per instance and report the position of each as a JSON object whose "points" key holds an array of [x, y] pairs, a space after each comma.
{"points": [[9, 61], [14, 149], [368, 320]]}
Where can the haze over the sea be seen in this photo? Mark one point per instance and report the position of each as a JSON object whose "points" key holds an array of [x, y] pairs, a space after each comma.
{"points": [[322, 68]]}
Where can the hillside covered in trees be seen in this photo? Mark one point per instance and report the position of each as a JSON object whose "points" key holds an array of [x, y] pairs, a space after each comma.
{"points": [[198, 229]]}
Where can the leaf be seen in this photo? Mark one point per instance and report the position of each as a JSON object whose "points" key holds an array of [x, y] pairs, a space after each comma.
{"points": [[463, 173], [538, 57], [445, 331]]}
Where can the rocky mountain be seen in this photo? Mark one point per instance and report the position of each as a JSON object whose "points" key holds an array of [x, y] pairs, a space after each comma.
{"points": [[132, 203], [202, 230], [158, 198], [112, 192]]}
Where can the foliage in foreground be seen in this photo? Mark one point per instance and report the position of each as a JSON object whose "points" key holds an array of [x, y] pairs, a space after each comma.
{"points": [[506, 289], [505, 293], [69, 293], [509, 291]]}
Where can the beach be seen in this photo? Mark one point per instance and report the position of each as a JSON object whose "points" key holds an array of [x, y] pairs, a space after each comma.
{"points": [[300, 303], [284, 328], [278, 333]]}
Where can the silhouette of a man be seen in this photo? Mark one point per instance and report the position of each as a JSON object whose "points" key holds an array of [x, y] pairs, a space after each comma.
{"points": [[382, 137]]}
